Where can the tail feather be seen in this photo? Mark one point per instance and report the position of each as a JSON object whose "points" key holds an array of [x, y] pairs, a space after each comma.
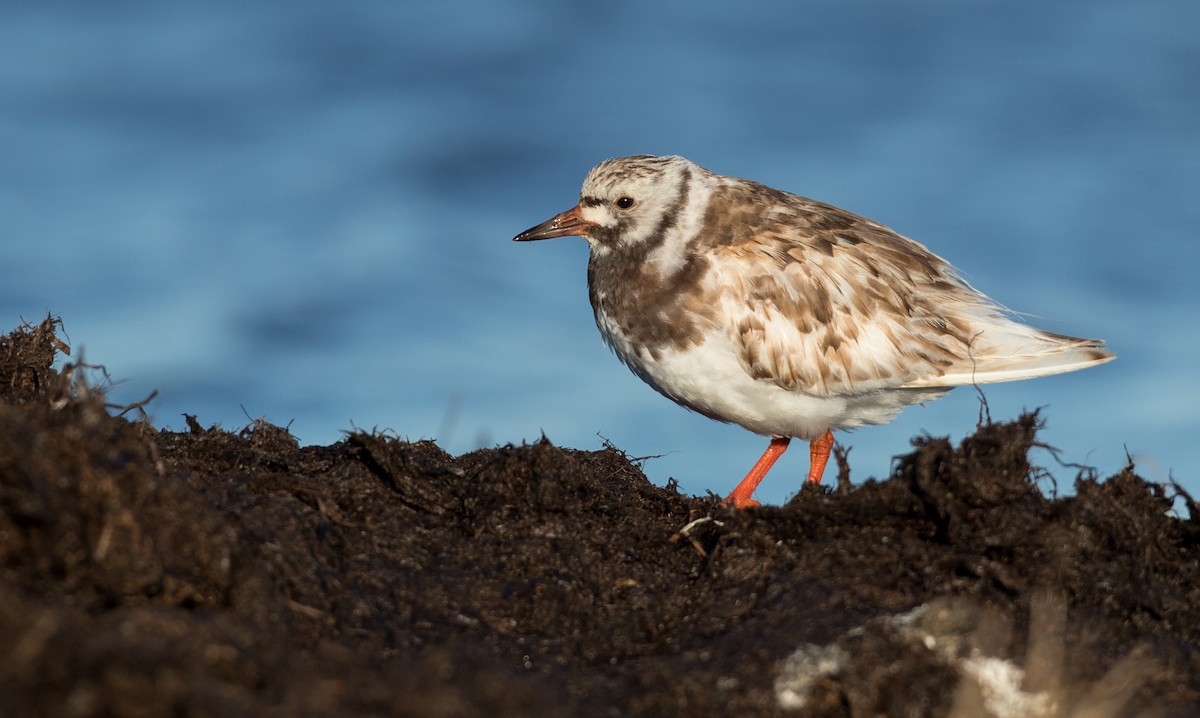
{"points": [[1023, 354]]}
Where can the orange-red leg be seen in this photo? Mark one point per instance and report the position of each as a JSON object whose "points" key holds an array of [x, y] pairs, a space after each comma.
{"points": [[819, 450], [818, 455], [740, 498]]}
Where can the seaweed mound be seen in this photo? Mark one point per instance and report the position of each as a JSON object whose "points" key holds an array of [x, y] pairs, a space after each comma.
{"points": [[217, 573]]}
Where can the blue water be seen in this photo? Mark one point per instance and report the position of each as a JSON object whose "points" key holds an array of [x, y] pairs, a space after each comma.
{"points": [[302, 211]]}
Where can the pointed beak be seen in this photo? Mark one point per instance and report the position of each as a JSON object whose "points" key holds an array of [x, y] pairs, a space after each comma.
{"points": [[569, 223]]}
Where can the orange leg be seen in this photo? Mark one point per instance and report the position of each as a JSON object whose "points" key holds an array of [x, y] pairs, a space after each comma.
{"points": [[818, 456], [740, 498]]}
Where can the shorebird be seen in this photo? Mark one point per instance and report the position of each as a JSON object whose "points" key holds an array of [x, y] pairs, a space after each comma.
{"points": [[782, 314]]}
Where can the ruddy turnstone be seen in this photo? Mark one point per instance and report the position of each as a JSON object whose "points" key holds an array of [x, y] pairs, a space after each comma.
{"points": [[785, 315]]}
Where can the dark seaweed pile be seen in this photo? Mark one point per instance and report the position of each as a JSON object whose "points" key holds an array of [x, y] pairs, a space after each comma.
{"points": [[217, 573]]}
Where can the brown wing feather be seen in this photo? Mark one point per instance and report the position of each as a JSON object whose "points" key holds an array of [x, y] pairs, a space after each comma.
{"points": [[823, 301]]}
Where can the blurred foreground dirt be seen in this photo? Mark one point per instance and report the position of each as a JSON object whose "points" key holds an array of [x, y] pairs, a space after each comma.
{"points": [[216, 573]]}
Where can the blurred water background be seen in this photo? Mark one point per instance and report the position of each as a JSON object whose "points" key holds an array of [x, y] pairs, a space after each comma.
{"points": [[302, 211]]}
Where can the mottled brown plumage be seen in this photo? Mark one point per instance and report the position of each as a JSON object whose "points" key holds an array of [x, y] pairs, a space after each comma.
{"points": [[786, 315]]}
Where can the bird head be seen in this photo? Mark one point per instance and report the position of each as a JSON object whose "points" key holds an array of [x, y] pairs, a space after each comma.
{"points": [[624, 201]]}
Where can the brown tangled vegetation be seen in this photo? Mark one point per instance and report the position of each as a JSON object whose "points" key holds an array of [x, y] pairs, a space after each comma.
{"points": [[208, 572]]}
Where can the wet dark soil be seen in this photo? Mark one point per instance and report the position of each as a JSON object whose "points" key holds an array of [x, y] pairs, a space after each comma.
{"points": [[218, 573]]}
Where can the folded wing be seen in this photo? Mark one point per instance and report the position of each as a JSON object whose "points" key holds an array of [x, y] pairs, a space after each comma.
{"points": [[858, 308]]}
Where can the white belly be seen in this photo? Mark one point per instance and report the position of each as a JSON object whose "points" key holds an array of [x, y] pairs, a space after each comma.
{"points": [[711, 380]]}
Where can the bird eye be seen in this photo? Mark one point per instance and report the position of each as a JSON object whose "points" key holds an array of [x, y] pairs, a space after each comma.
{"points": [[625, 202]]}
